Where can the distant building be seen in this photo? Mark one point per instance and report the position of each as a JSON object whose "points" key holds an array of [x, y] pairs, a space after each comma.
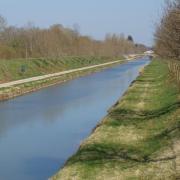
{"points": [[150, 52]]}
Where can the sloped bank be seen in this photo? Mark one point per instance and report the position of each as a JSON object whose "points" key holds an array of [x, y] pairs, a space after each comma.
{"points": [[138, 139], [27, 87], [15, 69]]}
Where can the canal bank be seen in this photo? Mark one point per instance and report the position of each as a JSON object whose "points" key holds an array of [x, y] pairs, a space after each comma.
{"points": [[17, 88], [138, 139], [40, 131]]}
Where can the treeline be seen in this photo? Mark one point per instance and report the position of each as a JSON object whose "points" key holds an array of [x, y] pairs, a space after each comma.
{"points": [[57, 41], [168, 37]]}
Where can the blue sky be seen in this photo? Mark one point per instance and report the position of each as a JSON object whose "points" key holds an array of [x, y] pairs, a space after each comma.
{"points": [[94, 17]]}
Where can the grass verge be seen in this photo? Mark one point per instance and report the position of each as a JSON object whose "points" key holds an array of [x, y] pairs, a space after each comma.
{"points": [[138, 139]]}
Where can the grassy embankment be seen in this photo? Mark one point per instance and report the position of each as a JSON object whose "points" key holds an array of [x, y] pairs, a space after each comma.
{"points": [[139, 138], [16, 69]]}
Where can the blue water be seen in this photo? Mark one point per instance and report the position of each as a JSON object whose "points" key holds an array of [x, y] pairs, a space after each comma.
{"points": [[41, 130]]}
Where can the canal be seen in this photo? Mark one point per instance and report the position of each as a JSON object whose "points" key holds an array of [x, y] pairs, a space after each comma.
{"points": [[41, 130]]}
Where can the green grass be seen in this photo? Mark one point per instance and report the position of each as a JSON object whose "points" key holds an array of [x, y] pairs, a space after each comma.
{"points": [[23, 68], [14, 91], [135, 140]]}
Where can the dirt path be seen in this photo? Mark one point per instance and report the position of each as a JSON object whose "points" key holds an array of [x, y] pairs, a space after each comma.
{"points": [[176, 150]]}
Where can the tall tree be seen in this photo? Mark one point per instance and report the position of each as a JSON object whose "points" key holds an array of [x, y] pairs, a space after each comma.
{"points": [[130, 38], [167, 34], [3, 23]]}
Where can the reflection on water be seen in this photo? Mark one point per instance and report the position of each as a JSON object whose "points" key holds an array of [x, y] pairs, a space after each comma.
{"points": [[39, 131]]}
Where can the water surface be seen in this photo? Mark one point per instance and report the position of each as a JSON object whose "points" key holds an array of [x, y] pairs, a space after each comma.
{"points": [[41, 130]]}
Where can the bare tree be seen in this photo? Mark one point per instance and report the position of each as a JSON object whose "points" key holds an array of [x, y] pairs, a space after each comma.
{"points": [[3, 23], [167, 35]]}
